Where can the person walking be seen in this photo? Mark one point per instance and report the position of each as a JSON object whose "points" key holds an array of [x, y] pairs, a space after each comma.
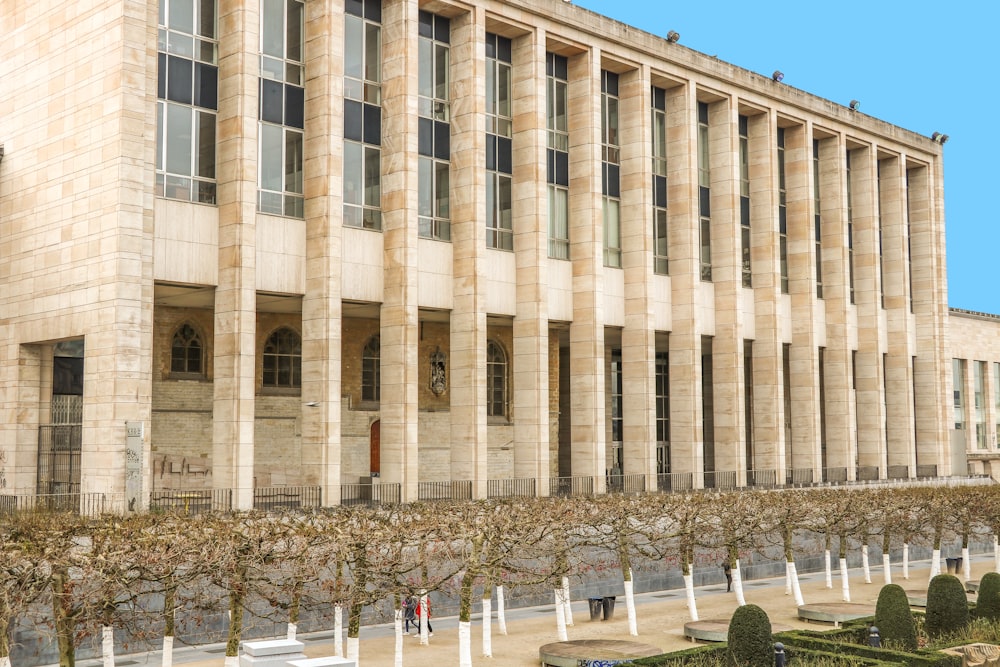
{"points": [[420, 614], [410, 613], [728, 571]]}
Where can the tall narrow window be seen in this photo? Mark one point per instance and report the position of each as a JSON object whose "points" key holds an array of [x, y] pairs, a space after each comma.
{"points": [[748, 403], [434, 127], [282, 359], [282, 109], [786, 394], [557, 153], [499, 130], [186, 351], [782, 212], [708, 412], [909, 243], [187, 99], [371, 370], [824, 462], [881, 264], [611, 169], [850, 229], [663, 412], [996, 404], [958, 389], [744, 124], [817, 228], [659, 132], [704, 195], [979, 389], [496, 380], [363, 114], [617, 422]]}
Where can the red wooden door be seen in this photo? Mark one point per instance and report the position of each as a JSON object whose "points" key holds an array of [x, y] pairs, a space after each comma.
{"points": [[374, 448]]}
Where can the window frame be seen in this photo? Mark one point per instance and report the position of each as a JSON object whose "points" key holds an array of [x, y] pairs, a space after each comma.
{"points": [[282, 335], [190, 337], [497, 382]]}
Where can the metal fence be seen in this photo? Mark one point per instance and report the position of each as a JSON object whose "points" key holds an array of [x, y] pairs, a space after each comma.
{"points": [[514, 487], [720, 479], [455, 490], [865, 474], [369, 494], [626, 483], [762, 479], [674, 481], [87, 504], [839, 475], [269, 498], [799, 477], [571, 486], [925, 471], [194, 501]]}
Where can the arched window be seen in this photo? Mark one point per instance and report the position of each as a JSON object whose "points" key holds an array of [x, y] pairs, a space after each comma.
{"points": [[371, 379], [496, 380], [283, 359], [186, 351]]}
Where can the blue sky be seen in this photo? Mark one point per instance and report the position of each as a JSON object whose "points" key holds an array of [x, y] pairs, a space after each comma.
{"points": [[925, 66]]}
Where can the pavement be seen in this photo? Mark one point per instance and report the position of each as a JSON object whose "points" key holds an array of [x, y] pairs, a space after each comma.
{"points": [[661, 616]]}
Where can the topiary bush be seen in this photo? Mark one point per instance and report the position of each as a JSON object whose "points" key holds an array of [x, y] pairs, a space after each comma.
{"points": [[988, 599], [894, 618], [749, 638], [947, 606]]}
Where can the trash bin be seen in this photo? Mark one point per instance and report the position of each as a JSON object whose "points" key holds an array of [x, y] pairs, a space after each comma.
{"points": [[608, 605], [958, 565], [952, 564], [596, 605]]}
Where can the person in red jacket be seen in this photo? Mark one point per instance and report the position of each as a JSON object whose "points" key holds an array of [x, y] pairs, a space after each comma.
{"points": [[420, 611]]}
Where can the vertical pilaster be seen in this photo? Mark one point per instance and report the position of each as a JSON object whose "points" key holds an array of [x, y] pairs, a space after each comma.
{"points": [[727, 277], [587, 363], [234, 383], [530, 215], [321, 304], [639, 334], [802, 288], [868, 297], [468, 210], [399, 315], [768, 405], [686, 447]]}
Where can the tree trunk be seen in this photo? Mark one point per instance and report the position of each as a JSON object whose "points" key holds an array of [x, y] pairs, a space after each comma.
{"points": [[63, 618], [353, 650], [425, 619], [464, 617], [560, 615], [996, 552], [935, 563], [828, 569], [738, 584], [108, 646], [792, 575], [464, 644], [501, 612], [167, 654], [865, 565], [633, 630], [906, 560], [689, 591], [966, 564], [845, 583], [886, 570], [294, 610], [5, 661], [169, 621], [487, 623], [338, 631], [5, 619], [566, 601], [235, 621], [398, 634]]}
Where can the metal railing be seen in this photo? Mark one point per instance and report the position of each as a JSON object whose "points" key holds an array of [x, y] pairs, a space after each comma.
{"points": [[867, 473], [762, 479], [925, 471], [897, 472], [514, 487], [270, 498], [720, 479], [189, 502], [455, 490], [571, 486], [632, 483], [87, 504], [799, 477], [839, 475], [369, 494], [674, 481]]}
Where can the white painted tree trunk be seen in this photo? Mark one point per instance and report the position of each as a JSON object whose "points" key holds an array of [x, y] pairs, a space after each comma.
{"points": [[108, 646], [845, 583], [487, 628], [935, 563], [689, 590], [829, 572], [464, 644], [5, 661], [425, 620], [231, 661], [865, 565], [354, 649], [886, 570], [966, 564], [501, 612], [996, 553], [792, 575], [291, 632], [633, 629], [906, 560], [397, 626], [166, 655], [566, 601], [560, 615], [788, 580], [738, 584], [338, 631]]}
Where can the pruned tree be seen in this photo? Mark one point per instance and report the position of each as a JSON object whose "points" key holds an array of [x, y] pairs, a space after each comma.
{"points": [[784, 513], [24, 574], [737, 518]]}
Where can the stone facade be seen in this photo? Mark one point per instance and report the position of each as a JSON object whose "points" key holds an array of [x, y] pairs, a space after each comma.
{"points": [[600, 366]]}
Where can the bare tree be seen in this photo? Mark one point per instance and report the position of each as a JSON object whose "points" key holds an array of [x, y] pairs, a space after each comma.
{"points": [[24, 575], [784, 513]]}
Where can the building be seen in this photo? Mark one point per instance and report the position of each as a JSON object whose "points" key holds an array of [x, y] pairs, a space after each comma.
{"points": [[398, 249]]}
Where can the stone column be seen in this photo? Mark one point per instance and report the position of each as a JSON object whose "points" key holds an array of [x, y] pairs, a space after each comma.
{"points": [[765, 262], [530, 218], [802, 289], [933, 367], [868, 297], [898, 382], [727, 280], [587, 363], [399, 316], [321, 304], [840, 448], [468, 210], [639, 334], [686, 447], [21, 377], [234, 363]]}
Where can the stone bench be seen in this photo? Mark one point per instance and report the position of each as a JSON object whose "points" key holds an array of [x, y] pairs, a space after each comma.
{"points": [[271, 653]]}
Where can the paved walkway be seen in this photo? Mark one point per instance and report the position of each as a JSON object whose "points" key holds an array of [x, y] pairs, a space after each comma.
{"points": [[661, 617]]}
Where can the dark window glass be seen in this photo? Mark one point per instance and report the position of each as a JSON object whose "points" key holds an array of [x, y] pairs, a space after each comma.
{"points": [[562, 168], [704, 196], [354, 7], [425, 24], [373, 125], [271, 95], [425, 136], [613, 188], [161, 75], [294, 106], [206, 91], [352, 120], [186, 351], [491, 152], [659, 191], [373, 10], [504, 159], [442, 140], [179, 79], [282, 359], [442, 29]]}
